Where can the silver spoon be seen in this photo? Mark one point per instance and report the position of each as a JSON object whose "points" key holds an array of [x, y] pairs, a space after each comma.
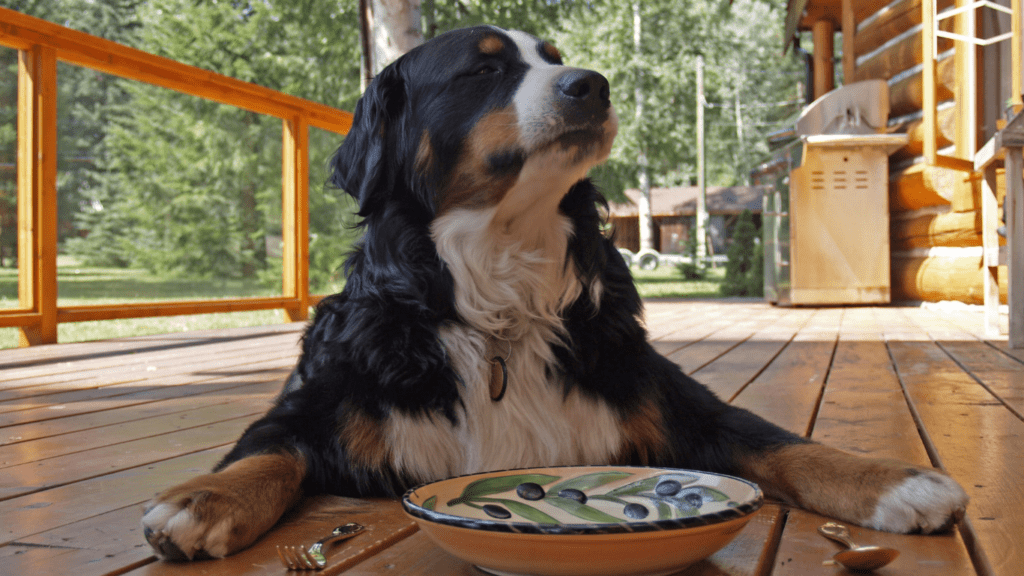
{"points": [[856, 557]]}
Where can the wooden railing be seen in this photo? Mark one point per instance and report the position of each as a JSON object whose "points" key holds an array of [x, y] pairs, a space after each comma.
{"points": [[41, 44]]}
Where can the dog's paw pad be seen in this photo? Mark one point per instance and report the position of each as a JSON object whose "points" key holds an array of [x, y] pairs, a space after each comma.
{"points": [[925, 501]]}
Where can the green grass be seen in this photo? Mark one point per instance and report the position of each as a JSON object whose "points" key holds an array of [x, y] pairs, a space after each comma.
{"points": [[81, 285], [668, 282]]}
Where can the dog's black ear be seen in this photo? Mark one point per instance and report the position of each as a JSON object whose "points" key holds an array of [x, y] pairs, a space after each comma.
{"points": [[365, 164]]}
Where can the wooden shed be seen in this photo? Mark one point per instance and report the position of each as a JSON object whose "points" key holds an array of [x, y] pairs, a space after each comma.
{"points": [[673, 210], [954, 74]]}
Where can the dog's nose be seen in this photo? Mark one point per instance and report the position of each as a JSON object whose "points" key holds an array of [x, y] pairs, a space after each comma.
{"points": [[585, 87]]}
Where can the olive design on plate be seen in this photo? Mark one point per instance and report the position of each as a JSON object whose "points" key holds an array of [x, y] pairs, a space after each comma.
{"points": [[668, 488], [530, 491], [495, 511], [636, 511], [573, 494]]}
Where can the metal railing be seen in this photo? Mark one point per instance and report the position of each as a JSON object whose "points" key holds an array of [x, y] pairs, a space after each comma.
{"points": [[41, 44]]}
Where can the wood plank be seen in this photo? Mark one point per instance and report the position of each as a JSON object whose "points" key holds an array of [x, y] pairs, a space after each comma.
{"points": [[787, 391], [144, 395], [979, 442], [29, 478], [84, 442], [701, 329], [729, 373], [804, 551], [139, 367], [43, 511], [386, 525], [74, 401], [863, 411], [703, 352], [117, 422], [58, 354]]}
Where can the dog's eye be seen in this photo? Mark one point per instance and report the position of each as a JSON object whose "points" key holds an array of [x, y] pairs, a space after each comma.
{"points": [[484, 70]]}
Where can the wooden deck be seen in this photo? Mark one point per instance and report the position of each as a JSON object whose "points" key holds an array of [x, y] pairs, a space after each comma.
{"points": [[89, 432]]}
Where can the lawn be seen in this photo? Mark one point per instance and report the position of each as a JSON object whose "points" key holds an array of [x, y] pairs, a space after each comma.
{"points": [[81, 285]]}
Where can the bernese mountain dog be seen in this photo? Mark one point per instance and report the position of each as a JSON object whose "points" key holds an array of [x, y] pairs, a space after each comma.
{"points": [[488, 323]]}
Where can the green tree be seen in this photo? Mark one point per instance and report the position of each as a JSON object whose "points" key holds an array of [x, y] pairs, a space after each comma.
{"points": [[743, 274], [197, 185], [87, 101], [741, 44]]}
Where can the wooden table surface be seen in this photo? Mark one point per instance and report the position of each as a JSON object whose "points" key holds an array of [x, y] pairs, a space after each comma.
{"points": [[91, 431]]}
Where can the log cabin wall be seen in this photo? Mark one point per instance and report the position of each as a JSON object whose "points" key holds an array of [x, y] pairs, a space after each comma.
{"points": [[935, 212]]}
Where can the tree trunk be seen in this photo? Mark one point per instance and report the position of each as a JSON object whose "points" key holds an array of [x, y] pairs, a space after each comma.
{"points": [[388, 29], [644, 207]]}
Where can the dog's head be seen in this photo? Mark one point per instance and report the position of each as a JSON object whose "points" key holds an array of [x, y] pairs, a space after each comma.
{"points": [[475, 118]]}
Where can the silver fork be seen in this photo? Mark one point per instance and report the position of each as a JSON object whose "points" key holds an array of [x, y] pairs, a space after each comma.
{"points": [[312, 558]]}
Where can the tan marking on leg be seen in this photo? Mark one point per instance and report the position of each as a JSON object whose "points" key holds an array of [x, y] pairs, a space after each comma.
{"points": [[851, 488], [491, 45], [221, 513], [644, 434], [363, 438]]}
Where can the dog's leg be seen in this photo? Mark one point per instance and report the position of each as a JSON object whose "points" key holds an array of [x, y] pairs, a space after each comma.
{"points": [[882, 494], [221, 513]]}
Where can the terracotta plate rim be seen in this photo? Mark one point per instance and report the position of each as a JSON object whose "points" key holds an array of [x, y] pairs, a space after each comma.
{"points": [[742, 509]]}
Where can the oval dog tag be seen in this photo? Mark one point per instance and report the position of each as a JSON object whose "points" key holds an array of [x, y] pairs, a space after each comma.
{"points": [[499, 378]]}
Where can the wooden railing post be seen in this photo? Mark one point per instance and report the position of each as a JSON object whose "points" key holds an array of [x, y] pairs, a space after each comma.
{"points": [[929, 114], [1016, 55], [295, 216], [37, 192]]}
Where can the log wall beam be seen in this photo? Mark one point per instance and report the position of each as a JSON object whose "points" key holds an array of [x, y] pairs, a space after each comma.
{"points": [[907, 95], [938, 278]]}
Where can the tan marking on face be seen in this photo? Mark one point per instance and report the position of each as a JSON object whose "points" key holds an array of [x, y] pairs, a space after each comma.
{"points": [[644, 434], [551, 52], [491, 45], [424, 154], [472, 183], [363, 438]]}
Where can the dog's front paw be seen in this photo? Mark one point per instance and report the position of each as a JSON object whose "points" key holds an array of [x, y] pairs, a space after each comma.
{"points": [[925, 501], [193, 521], [221, 513]]}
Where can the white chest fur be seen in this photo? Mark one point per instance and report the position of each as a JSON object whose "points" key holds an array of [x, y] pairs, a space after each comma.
{"points": [[509, 296]]}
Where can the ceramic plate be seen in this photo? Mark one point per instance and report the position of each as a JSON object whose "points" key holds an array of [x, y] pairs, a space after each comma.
{"points": [[584, 520]]}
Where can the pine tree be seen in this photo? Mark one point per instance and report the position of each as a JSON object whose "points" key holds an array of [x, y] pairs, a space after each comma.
{"points": [[742, 276]]}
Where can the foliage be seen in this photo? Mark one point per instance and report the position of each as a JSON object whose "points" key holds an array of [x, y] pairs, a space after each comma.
{"points": [[195, 186], [741, 44], [86, 102], [150, 178], [692, 270], [744, 272]]}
